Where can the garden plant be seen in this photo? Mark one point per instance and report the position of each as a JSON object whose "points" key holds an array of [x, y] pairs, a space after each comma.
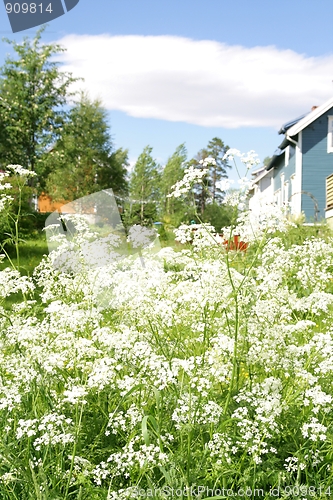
{"points": [[204, 372]]}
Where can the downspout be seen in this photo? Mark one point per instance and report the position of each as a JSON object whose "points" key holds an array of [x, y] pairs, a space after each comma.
{"points": [[291, 140], [296, 166]]}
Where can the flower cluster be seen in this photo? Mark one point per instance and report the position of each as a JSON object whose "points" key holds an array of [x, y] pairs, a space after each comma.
{"points": [[192, 175], [200, 362], [20, 171], [200, 235], [249, 159]]}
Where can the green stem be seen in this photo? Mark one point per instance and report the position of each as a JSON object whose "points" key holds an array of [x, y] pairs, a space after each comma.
{"points": [[7, 255], [234, 357], [7, 317], [78, 426], [17, 218]]}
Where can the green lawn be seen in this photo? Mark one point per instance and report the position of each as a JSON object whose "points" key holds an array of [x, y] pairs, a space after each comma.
{"points": [[31, 252], [33, 248]]}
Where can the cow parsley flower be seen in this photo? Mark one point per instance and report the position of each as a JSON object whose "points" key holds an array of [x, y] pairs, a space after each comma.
{"points": [[192, 175], [314, 430], [21, 171]]}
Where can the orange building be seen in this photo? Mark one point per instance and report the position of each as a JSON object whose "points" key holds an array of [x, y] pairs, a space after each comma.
{"points": [[46, 204]]}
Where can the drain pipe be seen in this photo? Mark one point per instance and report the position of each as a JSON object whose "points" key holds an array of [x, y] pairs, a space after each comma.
{"points": [[291, 140]]}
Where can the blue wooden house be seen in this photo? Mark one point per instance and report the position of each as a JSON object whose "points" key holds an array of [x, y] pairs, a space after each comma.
{"points": [[300, 170]]}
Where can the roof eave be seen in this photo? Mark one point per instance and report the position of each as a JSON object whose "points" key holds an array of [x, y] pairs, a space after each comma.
{"points": [[311, 117], [261, 176], [286, 142], [290, 124]]}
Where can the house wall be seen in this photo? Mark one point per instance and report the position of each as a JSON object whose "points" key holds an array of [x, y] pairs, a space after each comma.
{"points": [[282, 176], [317, 165], [278, 169], [329, 218], [290, 174], [45, 204], [262, 192]]}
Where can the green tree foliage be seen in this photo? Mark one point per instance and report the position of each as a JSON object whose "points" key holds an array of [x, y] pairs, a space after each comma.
{"points": [[145, 186], [216, 149], [114, 173], [82, 161], [172, 173], [209, 189], [267, 160], [201, 191], [33, 92], [218, 215]]}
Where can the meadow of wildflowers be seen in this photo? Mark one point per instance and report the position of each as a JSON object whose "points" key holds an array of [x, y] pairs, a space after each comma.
{"points": [[193, 373]]}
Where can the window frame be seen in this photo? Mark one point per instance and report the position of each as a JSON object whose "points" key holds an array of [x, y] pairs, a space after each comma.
{"points": [[330, 134]]}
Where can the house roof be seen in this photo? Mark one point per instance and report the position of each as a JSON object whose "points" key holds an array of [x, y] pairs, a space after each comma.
{"points": [[288, 125], [257, 170], [278, 152], [309, 118], [259, 177], [292, 128]]}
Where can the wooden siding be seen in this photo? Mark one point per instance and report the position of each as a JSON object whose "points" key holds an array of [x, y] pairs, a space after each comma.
{"points": [[45, 204], [317, 165], [278, 169], [329, 192], [288, 171]]}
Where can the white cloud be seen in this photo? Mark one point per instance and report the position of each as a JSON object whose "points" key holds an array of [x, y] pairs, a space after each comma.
{"points": [[200, 82]]}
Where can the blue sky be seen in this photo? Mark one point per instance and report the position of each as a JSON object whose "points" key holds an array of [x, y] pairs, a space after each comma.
{"points": [[174, 71]]}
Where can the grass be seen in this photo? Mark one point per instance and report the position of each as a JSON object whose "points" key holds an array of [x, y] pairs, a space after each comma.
{"points": [[31, 254], [32, 249], [205, 380]]}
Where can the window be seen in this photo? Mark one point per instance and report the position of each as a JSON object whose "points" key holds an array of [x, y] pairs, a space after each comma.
{"points": [[330, 135]]}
